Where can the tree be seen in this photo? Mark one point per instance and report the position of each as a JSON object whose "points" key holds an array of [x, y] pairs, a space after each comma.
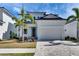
{"points": [[25, 17], [74, 17], [21, 22], [18, 23]]}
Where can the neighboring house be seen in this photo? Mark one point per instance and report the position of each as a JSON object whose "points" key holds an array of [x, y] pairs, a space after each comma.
{"points": [[6, 23], [47, 27], [72, 29]]}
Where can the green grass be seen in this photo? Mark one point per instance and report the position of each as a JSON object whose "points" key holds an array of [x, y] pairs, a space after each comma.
{"points": [[17, 54]]}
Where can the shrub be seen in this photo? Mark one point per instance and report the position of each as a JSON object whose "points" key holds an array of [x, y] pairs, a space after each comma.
{"points": [[0, 40], [67, 38], [71, 39], [13, 35]]}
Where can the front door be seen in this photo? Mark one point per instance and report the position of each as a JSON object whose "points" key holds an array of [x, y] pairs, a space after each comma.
{"points": [[33, 32]]}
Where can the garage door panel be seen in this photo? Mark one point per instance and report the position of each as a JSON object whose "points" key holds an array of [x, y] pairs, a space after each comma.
{"points": [[49, 33]]}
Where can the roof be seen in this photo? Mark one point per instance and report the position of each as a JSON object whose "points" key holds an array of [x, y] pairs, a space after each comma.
{"points": [[6, 11], [51, 17]]}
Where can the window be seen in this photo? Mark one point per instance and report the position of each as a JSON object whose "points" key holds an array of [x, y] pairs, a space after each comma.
{"points": [[25, 31]]}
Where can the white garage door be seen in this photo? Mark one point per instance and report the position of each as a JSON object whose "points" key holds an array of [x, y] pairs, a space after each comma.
{"points": [[49, 32]]}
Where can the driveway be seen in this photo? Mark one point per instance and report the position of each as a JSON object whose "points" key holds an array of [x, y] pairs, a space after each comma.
{"points": [[46, 49]]}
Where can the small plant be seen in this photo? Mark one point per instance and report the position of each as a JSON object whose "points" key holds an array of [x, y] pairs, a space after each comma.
{"points": [[67, 38], [71, 39], [13, 35], [0, 40]]}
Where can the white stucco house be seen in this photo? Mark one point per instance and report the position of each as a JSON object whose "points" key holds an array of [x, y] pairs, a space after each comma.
{"points": [[6, 23], [72, 29], [47, 27]]}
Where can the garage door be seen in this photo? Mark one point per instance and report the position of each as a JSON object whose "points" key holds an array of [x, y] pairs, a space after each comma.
{"points": [[49, 32]]}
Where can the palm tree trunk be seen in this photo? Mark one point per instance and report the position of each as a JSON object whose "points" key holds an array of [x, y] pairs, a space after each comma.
{"points": [[22, 34], [19, 32]]}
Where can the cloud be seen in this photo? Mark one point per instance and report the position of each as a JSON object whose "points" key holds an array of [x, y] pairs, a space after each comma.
{"points": [[16, 9], [62, 9], [68, 9]]}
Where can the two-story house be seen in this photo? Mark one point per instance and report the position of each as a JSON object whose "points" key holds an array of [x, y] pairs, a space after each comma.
{"points": [[47, 27], [6, 23]]}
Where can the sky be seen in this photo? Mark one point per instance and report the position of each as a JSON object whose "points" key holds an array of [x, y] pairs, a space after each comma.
{"points": [[62, 9]]}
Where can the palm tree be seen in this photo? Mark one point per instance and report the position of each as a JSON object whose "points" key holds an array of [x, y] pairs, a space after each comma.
{"points": [[24, 19], [18, 23], [21, 22], [74, 17]]}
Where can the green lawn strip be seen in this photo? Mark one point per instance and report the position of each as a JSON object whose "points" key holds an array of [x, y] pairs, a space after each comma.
{"points": [[17, 54]]}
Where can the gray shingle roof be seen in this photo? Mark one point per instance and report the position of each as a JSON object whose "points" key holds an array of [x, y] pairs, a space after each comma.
{"points": [[51, 17], [6, 11]]}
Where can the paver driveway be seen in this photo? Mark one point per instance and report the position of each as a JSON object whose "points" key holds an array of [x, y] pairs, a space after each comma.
{"points": [[45, 49]]}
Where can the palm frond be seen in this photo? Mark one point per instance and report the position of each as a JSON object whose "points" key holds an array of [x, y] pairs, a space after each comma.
{"points": [[76, 10], [70, 18], [29, 16], [14, 18], [21, 21], [16, 24]]}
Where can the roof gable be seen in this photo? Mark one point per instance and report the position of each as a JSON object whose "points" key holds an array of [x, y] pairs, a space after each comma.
{"points": [[6, 11], [51, 17]]}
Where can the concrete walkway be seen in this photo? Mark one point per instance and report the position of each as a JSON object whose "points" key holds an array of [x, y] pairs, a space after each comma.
{"points": [[17, 50], [46, 49]]}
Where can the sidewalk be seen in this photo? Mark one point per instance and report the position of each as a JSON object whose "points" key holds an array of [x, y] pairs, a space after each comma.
{"points": [[17, 50]]}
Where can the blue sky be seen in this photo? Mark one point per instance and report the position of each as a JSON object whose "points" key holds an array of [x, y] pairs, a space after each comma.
{"points": [[62, 9]]}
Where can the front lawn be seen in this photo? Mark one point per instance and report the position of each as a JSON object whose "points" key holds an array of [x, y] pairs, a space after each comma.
{"points": [[17, 54], [15, 44]]}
